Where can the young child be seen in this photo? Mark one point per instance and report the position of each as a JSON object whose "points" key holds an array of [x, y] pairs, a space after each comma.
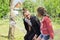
{"points": [[46, 25]]}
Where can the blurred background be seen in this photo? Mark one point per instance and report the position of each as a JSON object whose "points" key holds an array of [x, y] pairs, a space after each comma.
{"points": [[52, 7]]}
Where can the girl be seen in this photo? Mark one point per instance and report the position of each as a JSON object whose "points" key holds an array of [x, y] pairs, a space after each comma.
{"points": [[46, 25]]}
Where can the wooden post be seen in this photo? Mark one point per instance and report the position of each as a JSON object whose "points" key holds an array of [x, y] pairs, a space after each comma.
{"points": [[12, 22]]}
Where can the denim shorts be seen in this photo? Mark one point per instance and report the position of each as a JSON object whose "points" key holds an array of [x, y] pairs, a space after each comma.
{"points": [[45, 37]]}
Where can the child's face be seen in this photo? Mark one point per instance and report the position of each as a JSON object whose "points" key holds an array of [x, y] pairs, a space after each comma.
{"points": [[27, 15]]}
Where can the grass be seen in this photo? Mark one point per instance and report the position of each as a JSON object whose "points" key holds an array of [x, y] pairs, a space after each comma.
{"points": [[20, 31], [4, 28], [56, 31]]}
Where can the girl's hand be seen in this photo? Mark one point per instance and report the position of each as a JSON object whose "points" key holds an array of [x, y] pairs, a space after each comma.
{"points": [[35, 37], [38, 38]]}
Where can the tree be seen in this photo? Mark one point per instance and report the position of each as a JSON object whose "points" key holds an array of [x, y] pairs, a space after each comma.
{"points": [[30, 5], [53, 7], [12, 22], [4, 8]]}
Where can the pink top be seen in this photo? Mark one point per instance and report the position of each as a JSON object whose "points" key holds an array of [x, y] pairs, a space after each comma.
{"points": [[46, 26]]}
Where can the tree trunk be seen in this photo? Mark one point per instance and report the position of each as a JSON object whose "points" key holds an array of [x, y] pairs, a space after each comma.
{"points": [[12, 23]]}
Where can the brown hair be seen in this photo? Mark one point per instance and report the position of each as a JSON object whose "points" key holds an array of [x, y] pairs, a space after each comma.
{"points": [[24, 10], [42, 11]]}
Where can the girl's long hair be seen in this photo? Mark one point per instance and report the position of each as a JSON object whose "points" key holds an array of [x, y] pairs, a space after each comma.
{"points": [[42, 11]]}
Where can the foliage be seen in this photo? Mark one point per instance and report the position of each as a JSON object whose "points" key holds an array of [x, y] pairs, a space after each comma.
{"points": [[30, 5], [4, 8], [52, 6]]}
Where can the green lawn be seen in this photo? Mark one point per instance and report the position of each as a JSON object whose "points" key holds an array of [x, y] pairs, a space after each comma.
{"points": [[56, 31], [20, 31]]}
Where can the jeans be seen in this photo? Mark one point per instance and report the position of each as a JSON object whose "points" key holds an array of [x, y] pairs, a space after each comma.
{"points": [[45, 37]]}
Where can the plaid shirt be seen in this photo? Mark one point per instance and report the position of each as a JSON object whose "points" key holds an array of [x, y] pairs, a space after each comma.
{"points": [[46, 26]]}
